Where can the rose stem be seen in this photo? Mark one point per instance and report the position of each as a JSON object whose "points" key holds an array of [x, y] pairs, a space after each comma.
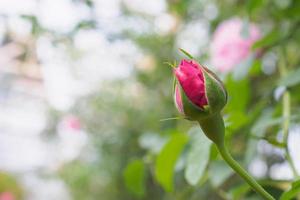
{"points": [[214, 129], [243, 173]]}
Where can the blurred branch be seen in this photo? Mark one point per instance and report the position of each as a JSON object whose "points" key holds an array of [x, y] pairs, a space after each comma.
{"points": [[222, 194], [272, 141], [286, 112], [291, 34]]}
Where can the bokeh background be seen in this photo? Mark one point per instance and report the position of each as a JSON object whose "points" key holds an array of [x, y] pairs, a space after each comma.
{"points": [[86, 93]]}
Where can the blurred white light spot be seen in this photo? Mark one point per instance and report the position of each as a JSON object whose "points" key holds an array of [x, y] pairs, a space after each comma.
{"points": [[146, 63], [269, 63], [258, 168], [69, 145], [59, 15], [281, 171], [45, 188], [47, 52], [136, 25], [165, 23], [102, 59], [279, 92], [210, 11], [153, 7], [263, 147], [294, 147], [23, 118], [17, 7], [89, 40], [19, 27], [107, 9], [194, 37], [58, 84], [20, 154], [62, 88]]}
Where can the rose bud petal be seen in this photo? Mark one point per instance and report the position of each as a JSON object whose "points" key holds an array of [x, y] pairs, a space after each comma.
{"points": [[178, 100], [198, 91], [191, 79]]}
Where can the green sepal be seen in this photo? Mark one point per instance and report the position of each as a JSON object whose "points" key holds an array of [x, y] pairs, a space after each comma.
{"points": [[215, 92], [186, 53], [213, 127], [174, 84]]}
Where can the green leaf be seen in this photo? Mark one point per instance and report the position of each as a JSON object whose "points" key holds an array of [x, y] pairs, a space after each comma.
{"points": [[255, 69], [291, 79], [134, 177], [173, 65], [252, 5], [236, 120], [268, 40], [219, 172], [238, 99], [198, 156], [166, 160], [239, 191], [275, 142], [293, 192], [239, 94], [213, 152]]}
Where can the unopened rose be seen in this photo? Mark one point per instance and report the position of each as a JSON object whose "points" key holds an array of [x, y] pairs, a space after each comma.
{"points": [[198, 93]]}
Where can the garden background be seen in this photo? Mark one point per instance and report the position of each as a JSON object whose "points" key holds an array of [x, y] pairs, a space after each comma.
{"points": [[86, 98]]}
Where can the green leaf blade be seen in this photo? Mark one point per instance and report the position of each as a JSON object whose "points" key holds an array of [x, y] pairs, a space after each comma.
{"points": [[198, 156], [293, 192], [166, 160], [134, 177], [268, 40]]}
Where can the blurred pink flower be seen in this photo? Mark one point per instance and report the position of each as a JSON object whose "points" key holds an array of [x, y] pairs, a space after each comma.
{"points": [[7, 196], [229, 47], [71, 123]]}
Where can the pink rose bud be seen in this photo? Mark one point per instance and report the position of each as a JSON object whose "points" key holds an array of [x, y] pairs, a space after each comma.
{"points": [[229, 46], [198, 92]]}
